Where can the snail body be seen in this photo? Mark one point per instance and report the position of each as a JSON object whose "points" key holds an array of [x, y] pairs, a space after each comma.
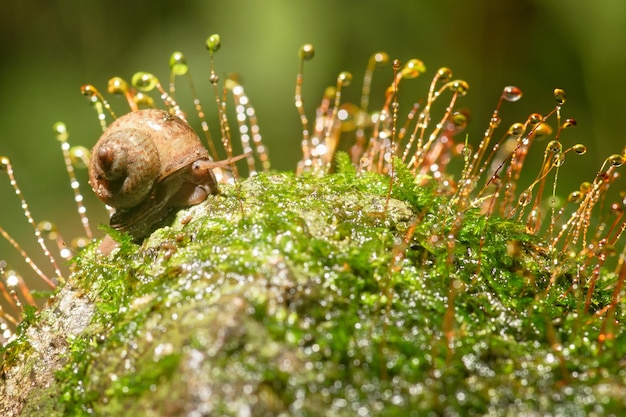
{"points": [[145, 164]]}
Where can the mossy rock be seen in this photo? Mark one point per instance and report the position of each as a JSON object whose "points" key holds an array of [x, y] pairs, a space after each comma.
{"points": [[311, 296]]}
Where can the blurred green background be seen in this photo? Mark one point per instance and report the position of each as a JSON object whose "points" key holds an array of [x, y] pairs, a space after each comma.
{"points": [[51, 47]]}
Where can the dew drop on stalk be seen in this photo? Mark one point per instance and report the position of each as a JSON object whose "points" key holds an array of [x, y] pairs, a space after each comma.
{"points": [[444, 74], [79, 243], [178, 64], [143, 101], [79, 156], [574, 197], [144, 81], [90, 92], [615, 160], [553, 201], [48, 229], [61, 132], [459, 119], [460, 87], [559, 160], [466, 152], [396, 64], [306, 52], [379, 58], [559, 96], [213, 43], [617, 208], [524, 198], [117, 85], [412, 69], [543, 130], [580, 149], [214, 78], [554, 146], [585, 187], [344, 78], [511, 93], [568, 123], [533, 221], [517, 129], [535, 118]]}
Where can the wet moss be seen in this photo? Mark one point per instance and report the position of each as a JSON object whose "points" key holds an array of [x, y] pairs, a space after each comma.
{"points": [[310, 295]]}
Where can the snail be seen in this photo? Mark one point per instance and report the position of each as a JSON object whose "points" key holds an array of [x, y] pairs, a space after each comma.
{"points": [[147, 163]]}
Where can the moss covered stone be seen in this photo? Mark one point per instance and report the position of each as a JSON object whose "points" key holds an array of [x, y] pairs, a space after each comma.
{"points": [[310, 296]]}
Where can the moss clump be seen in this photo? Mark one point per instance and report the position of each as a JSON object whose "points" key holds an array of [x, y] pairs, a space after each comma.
{"points": [[313, 295]]}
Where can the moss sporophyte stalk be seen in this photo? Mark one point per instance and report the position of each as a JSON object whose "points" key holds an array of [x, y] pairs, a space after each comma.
{"points": [[399, 271]]}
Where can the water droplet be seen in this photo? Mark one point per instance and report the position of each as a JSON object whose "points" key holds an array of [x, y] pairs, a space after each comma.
{"points": [[617, 208], [460, 87], [214, 78], [344, 79], [60, 130], [178, 63], [554, 146], [585, 187], [79, 243], [466, 152], [413, 68], [306, 52], [511, 93], [117, 85], [535, 118], [615, 160], [48, 228], [568, 123], [213, 43], [524, 198], [5, 162], [574, 197], [65, 253], [144, 81], [90, 92], [143, 100], [559, 160], [533, 222], [444, 74], [579, 148], [559, 96], [380, 58], [553, 201], [543, 130], [459, 119], [79, 155], [517, 129]]}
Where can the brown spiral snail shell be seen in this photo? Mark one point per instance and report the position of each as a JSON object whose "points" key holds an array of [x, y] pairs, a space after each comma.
{"points": [[147, 163]]}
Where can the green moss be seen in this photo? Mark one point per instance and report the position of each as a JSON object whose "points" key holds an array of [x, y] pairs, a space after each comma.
{"points": [[316, 296]]}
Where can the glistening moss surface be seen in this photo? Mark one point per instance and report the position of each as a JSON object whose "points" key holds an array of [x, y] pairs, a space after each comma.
{"points": [[315, 296]]}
